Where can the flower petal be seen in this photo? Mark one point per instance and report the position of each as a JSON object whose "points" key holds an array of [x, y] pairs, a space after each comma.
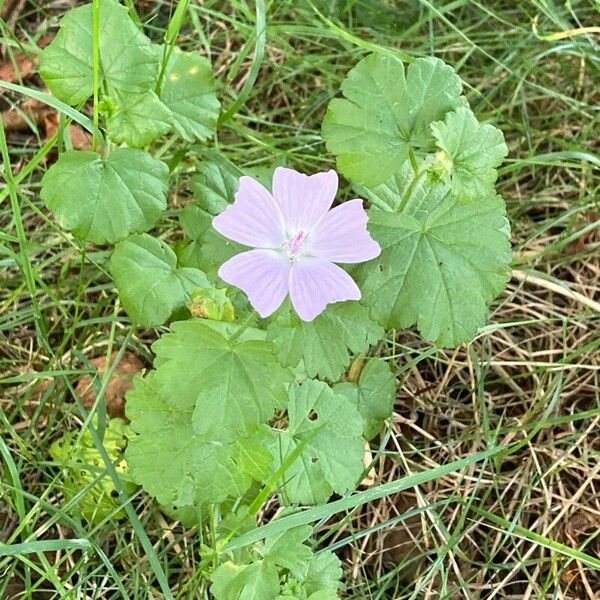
{"points": [[303, 199], [254, 219], [315, 283], [342, 236], [262, 275]]}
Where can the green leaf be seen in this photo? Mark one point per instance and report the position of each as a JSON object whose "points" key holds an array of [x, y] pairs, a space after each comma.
{"points": [[188, 91], [232, 386], [138, 119], [324, 573], [257, 581], [387, 113], [150, 285], [325, 344], [128, 60], [189, 468], [470, 153], [329, 430], [195, 221], [104, 200], [288, 551], [214, 187], [373, 395], [442, 262], [319, 579]]}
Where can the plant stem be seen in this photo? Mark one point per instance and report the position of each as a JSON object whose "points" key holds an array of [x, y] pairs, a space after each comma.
{"points": [[95, 65], [241, 328]]}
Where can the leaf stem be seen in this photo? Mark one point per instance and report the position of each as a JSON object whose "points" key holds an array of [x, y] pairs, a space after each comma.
{"points": [[241, 328], [409, 191], [413, 160]]}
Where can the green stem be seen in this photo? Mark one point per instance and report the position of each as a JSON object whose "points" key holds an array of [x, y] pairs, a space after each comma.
{"points": [[413, 160], [241, 328], [409, 191], [259, 51], [173, 29], [95, 66], [24, 262]]}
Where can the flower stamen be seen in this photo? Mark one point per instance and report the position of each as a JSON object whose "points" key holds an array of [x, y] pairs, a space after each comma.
{"points": [[294, 245]]}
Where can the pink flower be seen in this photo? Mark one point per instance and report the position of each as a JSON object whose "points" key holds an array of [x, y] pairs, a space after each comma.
{"points": [[297, 240]]}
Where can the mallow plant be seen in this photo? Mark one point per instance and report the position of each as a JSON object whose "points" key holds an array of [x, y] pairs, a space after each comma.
{"points": [[266, 379]]}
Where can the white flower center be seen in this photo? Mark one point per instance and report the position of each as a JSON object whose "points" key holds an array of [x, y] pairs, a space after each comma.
{"points": [[294, 245]]}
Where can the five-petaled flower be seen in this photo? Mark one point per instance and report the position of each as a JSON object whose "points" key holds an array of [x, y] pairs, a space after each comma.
{"points": [[296, 240]]}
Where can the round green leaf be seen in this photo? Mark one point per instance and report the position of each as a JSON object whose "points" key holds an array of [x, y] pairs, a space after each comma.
{"points": [[214, 186], [104, 200], [138, 119], [386, 112], [188, 469], [442, 261], [128, 60], [150, 285], [325, 344], [231, 386], [328, 429], [188, 91]]}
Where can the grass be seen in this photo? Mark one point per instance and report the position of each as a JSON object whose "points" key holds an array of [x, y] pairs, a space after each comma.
{"points": [[523, 523]]}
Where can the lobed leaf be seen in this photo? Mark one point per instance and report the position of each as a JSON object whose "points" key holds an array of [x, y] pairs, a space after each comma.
{"points": [[373, 395], [328, 430], [386, 113], [105, 200], [189, 468], [128, 59], [230, 386], [306, 576], [325, 344], [288, 551], [150, 284], [214, 187], [188, 91], [442, 262], [256, 581], [138, 119], [470, 153]]}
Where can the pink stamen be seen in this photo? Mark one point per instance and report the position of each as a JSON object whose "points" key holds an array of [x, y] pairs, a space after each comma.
{"points": [[293, 246]]}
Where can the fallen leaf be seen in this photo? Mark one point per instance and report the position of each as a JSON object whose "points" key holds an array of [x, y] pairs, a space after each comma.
{"points": [[81, 139], [120, 383], [16, 118], [23, 67]]}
